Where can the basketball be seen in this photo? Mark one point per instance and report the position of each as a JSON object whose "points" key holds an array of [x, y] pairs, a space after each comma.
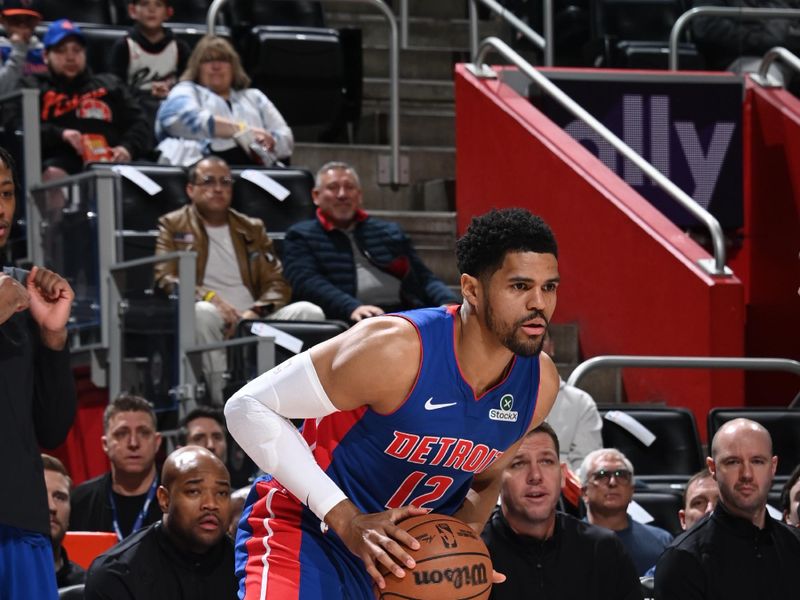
{"points": [[452, 563]]}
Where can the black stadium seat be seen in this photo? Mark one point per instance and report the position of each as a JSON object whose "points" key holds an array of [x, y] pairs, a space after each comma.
{"points": [[783, 425], [675, 455], [301, 69], [277, 215], [85, 11], [663, 506]]}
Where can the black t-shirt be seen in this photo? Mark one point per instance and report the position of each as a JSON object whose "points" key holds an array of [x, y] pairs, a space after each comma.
{"points": [[128, 508]]}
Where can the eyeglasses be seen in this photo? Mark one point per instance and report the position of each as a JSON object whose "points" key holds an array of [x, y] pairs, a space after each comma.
{"points": [[224, 182], [603, 476]]}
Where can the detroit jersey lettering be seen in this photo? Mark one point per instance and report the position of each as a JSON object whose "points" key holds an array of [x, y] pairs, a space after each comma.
{"points": [[426, 452]]}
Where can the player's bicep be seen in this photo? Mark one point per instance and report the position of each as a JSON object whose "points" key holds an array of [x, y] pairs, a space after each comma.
{"points": [[548, 390], [374, 363]]}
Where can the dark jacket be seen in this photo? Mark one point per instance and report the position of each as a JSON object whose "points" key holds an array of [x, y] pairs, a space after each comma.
{"points": [[92, 511], [90, 103], [721, 40], [579, 562], [259, 266], [319, 264], [723, 557], [37, 407], [148, 566], [69, 573]]}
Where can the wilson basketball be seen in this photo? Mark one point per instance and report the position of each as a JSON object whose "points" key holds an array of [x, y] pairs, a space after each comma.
{"points": [[452, 563]]}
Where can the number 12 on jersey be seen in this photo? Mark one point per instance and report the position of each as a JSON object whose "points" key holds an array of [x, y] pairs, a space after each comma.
{"points": [[418, 481]]}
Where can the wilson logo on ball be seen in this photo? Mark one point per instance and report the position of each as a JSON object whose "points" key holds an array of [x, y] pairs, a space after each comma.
{"points": [[458, 577]]}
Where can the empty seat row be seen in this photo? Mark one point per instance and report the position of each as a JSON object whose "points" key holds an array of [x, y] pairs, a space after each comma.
{"points": [[676, 453]]}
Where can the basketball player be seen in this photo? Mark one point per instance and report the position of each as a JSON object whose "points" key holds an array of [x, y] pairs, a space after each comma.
{"points": [[406, 414]]}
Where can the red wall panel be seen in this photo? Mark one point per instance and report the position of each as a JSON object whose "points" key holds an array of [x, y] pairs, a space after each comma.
{"points": [[629, 277]]}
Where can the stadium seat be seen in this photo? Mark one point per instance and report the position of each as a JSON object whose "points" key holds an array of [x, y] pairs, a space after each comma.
{"points": [[294, 13], [634, 33], [301, 69], [783, 425], [277, 215], [86, 11], [663, 506], [83, 546], [675, 454], [72, 592]]}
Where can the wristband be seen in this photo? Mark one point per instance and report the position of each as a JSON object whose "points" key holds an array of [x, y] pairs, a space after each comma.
{"points": [[209, 295]]}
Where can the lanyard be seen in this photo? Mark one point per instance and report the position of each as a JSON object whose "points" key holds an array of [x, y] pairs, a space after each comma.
{"points": [[137, 525]]}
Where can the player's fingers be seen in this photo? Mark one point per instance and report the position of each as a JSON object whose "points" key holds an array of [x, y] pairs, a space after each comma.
{"points": [[373, 572], [384, 558], [497, 577], [405, 538], [397, 551]]}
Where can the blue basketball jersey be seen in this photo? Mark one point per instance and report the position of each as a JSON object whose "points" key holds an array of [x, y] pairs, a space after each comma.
{"points": [[427, 451]]}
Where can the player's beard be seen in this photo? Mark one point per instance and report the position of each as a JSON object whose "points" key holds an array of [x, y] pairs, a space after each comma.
{"points": [[510, 335]]}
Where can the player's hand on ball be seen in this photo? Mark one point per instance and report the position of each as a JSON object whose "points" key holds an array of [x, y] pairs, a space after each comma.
{"points": [[376, 539]]}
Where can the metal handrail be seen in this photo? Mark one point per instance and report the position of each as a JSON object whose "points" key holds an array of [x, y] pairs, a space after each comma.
{"points": [[394, 77], [576, 109], [684, 362], [510, 18], [772, 55], [722, 11]]}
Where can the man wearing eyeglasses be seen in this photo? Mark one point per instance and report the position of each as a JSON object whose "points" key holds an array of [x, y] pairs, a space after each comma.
{"points": [[607, 479], [239, 276]]}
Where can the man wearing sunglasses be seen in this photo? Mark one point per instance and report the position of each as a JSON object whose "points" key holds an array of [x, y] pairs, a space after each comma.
{"points": [[239, 275], [607, 479]]}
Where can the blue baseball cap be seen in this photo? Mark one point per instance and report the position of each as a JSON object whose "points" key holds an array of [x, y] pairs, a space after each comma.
{"points": [[60, 30]]}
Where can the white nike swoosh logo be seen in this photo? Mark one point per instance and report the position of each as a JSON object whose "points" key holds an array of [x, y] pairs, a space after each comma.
{"points": [[429, 405]]}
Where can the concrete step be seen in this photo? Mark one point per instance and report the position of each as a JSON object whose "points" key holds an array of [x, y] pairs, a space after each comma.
{"points": [[419, 126], [434, 237], [415, 63], [424, 164], [411, 90], [422, 31], [442, 9]]}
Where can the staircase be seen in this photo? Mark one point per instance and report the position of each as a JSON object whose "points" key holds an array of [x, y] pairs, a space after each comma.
{"points": [[438, 39]]}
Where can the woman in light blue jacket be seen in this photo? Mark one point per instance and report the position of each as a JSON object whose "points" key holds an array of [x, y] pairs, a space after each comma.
{"points": [[213, 111]]}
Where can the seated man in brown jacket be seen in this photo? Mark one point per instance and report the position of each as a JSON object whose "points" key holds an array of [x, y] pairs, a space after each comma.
{"points": [[222, 238]]}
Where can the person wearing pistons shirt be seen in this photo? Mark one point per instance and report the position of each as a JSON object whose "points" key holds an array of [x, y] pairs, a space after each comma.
{"points": [[404, 414], [85, 116]]}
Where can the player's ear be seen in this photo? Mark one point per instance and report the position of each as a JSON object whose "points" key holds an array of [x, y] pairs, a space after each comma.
{"points": [[470, 288]]}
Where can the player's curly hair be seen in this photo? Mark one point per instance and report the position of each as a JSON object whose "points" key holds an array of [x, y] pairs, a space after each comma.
{"points": [[489, 237]]}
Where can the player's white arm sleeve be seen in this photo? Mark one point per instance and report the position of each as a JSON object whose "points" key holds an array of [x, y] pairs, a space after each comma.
{"points": [[257, 417]]}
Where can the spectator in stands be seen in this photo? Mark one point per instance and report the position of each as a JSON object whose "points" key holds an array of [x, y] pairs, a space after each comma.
{"points": [[205, 426], [85, 116], [122, 500], [699, 498], [223, 237], [607, 479], [737, 45], [545, 553], [351, 264], [739, 551], [575, 418], [213, 111], [37, 407], [186, 555], [58, 484], [150, 58], [790, 499], [21, 52]]}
